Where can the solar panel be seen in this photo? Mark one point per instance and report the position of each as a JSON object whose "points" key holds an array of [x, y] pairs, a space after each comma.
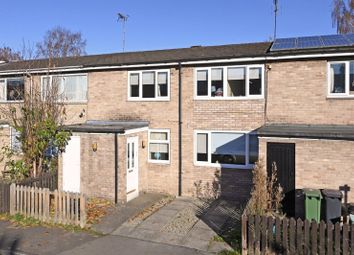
{"points": [[350, 37], [334, 40], [284, 44], [309, 42]]}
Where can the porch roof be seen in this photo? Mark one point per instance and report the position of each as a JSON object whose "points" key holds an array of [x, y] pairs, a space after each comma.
{"points": [[106, 126], [336, 132]]}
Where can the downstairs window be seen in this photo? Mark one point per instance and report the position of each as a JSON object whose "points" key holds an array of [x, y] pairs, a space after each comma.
{"points": [[159, 146], [230, 149]]}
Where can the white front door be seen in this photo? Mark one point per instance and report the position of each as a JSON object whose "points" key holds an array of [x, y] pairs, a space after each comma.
{"points": [[71, 165], [132, 168]]}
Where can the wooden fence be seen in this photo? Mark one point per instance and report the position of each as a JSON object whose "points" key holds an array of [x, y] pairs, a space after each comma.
{"points": [[4, 197], [44, 180], [268, 235], [48, 206]]}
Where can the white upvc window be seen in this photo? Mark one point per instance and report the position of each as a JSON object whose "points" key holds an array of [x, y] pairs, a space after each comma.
{"points": [[341, 79], [71, 88], [15, 142], [229, 82], [12, 89], [159, 145], [149, 85], [229, 149]]}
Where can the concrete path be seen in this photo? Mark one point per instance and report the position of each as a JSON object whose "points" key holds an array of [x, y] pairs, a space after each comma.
{"points": [[184, 222], [117, 215], [129, 246]]}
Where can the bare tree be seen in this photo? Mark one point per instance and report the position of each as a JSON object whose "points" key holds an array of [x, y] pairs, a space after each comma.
{"points": [[343, 16], [38, 120], [60, 42], [8, 54]]}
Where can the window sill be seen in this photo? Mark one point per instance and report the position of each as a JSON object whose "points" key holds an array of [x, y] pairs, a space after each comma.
{"points": [[11, 102], [228, 98], [246, 167], [73, 102], [160, 162], [340, 97], [148, 100]]}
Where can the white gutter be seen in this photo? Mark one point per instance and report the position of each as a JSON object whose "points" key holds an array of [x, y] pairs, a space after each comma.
{"points": [[251, 59], [81, 68]]}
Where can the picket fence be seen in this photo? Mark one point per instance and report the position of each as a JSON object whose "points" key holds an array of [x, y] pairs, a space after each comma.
{"points": [[269, 235], [48, 206], [4, 197]]}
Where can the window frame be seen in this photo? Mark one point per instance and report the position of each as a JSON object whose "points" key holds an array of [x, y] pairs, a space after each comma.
{"points": [[247, 134], [12, 101], [168, 141], [61, 75], [225, 85], [156, 98], [346, 94]]}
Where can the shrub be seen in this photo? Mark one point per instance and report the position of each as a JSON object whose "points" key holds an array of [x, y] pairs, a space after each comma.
{"points": [[267, 194]]}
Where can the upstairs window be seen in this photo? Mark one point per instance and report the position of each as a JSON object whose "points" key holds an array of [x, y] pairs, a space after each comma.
{"points": [[149, 85], [229, 82], [69, 88], [12, 89], [341, 78]]}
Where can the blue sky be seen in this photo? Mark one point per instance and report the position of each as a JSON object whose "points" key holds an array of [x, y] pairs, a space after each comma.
{"points": [[162, 24]]}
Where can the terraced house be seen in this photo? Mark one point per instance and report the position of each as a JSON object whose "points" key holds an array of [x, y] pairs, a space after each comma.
{"points": [[194, 121]]}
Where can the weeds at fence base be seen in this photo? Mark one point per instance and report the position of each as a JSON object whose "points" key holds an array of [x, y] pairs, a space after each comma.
{"points": [[21, 221]]}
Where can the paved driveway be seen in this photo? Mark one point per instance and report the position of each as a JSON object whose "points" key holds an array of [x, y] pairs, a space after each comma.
{"points": [[185, 226], [184, 222]]}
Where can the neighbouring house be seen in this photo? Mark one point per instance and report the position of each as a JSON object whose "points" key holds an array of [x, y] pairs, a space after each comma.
{"points": [[194, 121]]}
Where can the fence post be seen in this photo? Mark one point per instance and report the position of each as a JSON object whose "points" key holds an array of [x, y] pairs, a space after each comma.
{"points": [[82, 211], [244, 234], [56, 206], [46, 201], [12, 199]]}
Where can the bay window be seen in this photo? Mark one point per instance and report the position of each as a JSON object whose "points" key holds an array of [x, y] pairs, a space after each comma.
{"points": [[229, 82], [226, 149], [149, 85]]}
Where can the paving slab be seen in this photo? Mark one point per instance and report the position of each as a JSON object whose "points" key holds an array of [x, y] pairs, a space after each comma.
{"points": [[119, 214], [129, 246]]}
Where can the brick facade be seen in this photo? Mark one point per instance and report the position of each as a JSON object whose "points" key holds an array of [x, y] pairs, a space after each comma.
{"points": [[296, 93], [319, 163]]}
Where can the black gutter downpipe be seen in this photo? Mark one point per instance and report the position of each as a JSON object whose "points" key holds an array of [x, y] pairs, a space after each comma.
{"points": [[180, 129], [116, 168]]}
